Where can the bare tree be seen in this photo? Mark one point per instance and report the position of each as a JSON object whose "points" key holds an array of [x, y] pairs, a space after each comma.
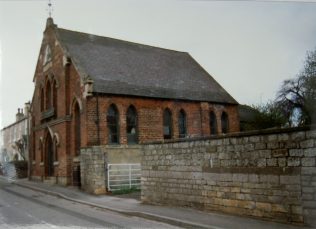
{"points": [[21, 146], [297, 97]]}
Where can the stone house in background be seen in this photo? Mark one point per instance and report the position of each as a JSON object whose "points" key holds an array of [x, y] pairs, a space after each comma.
{"points": [[98, 91], [14, 137]]}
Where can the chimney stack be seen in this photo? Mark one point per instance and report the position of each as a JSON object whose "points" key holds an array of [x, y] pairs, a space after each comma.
{"points": [[27, 107], [19, 115]]}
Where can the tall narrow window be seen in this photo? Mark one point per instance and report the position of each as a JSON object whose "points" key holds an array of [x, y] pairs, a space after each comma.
{"points": [[55, 149], [131, 125], [182, 122], [42, 99], [77, 129], [213, 123], [112, 121], [225, 123], [49, 156], [167, 124], [41, 150], [33, 146], [55, 96], [48, 95]]}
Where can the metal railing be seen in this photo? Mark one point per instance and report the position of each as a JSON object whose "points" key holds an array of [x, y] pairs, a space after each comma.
{"points": [[123, 176]]}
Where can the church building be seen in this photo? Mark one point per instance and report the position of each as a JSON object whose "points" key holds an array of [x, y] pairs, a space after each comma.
{"points": [[98, 91]]}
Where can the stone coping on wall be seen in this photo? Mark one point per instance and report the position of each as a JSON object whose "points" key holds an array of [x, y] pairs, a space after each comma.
{"points": [[236, 134]]}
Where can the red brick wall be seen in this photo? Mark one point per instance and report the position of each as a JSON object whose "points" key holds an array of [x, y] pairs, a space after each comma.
{"points": [[150, 117], [68, 91]]}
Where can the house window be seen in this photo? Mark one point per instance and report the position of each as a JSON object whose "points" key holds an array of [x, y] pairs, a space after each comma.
{"points": [[225, 123], [112, 121], [167, 124], [131, 125], [182, 124], [213, 123]]}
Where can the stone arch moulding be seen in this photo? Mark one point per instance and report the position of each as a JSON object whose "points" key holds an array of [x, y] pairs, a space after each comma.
{"points": [[51, 133], [52, 77], [56, 136], [74, 100], [41, 142]]}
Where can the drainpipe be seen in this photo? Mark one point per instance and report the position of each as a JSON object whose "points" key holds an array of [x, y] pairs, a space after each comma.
{"points": [[28, 146]]}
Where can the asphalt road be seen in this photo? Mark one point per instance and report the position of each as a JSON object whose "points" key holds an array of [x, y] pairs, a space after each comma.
{"points": [[24, 208]]}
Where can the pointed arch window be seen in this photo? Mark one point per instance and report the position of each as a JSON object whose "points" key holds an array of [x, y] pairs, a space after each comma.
{"points": [[49, 156], [131, 125], [225, 123], [182, 122], [41, 148], [55, 95], [33, 146], [213, 123], [55, 149], [48, 95], [112, 121], [42, 99], [167, 124], [77, 129]]}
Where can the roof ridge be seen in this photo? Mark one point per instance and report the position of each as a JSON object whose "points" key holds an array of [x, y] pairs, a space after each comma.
{"points": [[121, 40]]}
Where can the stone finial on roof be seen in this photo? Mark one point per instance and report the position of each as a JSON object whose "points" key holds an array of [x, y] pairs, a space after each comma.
{"points": [[49, 22]]}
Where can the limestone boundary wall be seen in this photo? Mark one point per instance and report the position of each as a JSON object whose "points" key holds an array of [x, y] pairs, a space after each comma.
{"points": [[268, 174]]}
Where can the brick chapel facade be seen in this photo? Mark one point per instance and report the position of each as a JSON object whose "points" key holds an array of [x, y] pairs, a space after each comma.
{"points": [[92, 90]]}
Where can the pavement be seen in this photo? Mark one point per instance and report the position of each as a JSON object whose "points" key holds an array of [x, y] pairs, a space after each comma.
{"points": [[178, 216]]}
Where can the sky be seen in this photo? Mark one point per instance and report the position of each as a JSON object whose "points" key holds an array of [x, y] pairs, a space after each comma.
{"points": [[249, 47]]}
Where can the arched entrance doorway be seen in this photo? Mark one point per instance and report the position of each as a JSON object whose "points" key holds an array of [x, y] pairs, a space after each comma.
{"points": [[76, 176], [49, 156]]}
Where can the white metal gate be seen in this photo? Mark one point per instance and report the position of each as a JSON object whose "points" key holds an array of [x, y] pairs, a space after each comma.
{"points": [[123, 176]]}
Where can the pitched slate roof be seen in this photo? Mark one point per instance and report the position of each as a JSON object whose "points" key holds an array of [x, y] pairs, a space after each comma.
{"points": [[125, 68]]}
